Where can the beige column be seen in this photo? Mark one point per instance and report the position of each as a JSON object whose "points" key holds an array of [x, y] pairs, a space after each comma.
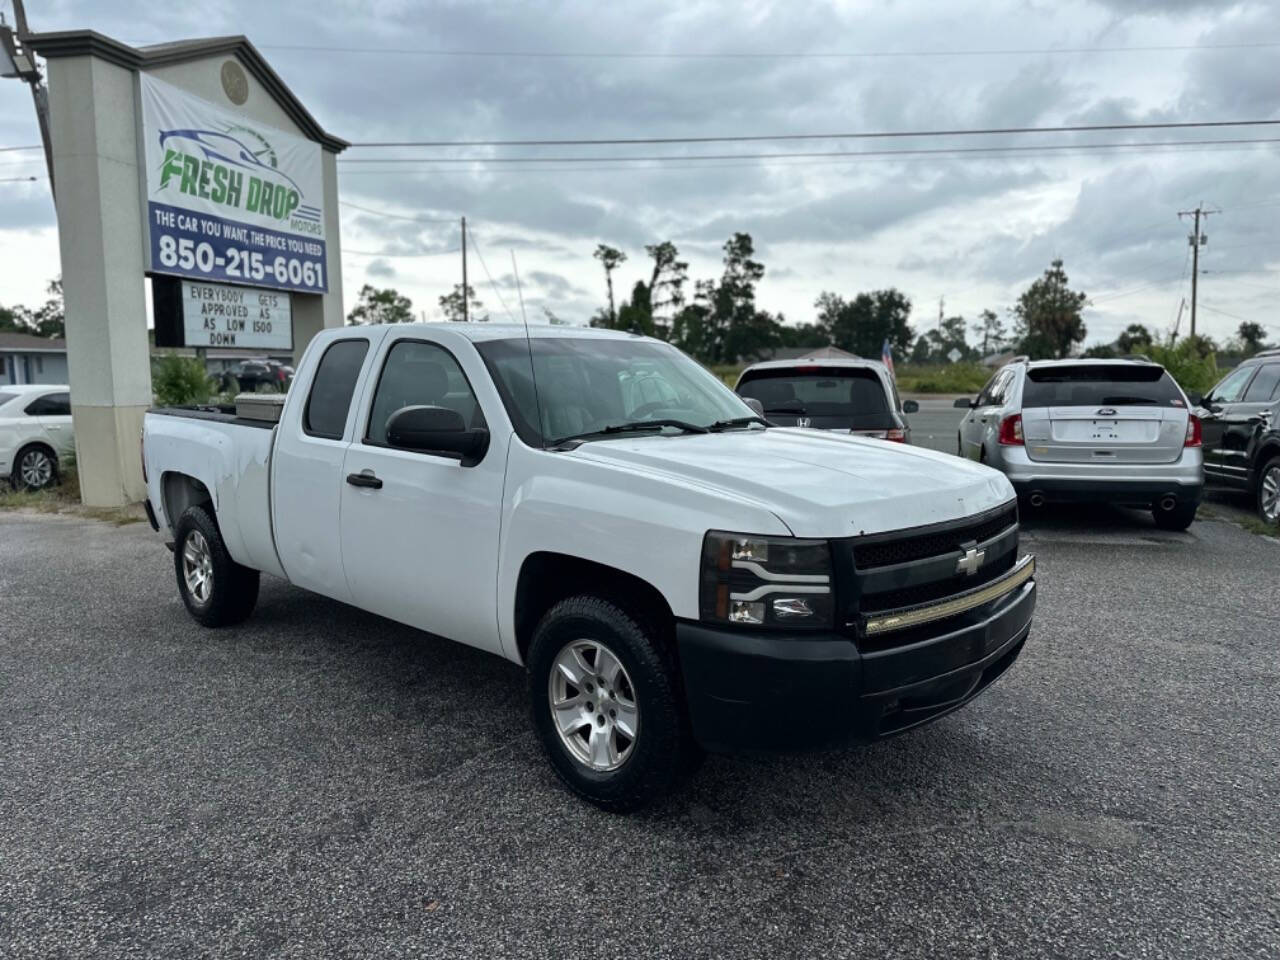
{"points": [[95, 158]]}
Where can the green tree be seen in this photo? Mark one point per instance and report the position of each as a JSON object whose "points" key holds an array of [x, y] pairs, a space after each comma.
{"points": [[862, 325], [452, 306], [993, 330], [636, 314], [666, 285], [610, 258], [48, 320], [1252, 336], [177, 380], [1048, 314], [1135, 338], [381, 306]]}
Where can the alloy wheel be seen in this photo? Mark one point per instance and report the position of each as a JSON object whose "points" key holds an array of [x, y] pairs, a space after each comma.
{"points": [[197, 567], [36, 469], [1270, 500], [593, 705]]}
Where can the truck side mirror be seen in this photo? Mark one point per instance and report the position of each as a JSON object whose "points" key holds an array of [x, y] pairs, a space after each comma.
{"points": [[962, 402], [756, 406], [910, 406], [437, 430], [1195, 398]]}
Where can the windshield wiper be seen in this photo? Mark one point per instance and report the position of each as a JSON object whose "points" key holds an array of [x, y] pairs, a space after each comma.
{"points": [[635, 426], [736, 422]]}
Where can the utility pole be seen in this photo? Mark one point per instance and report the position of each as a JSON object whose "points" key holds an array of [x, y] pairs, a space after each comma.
{"points": [[20, 62], [1197, 240], [466, 292]]}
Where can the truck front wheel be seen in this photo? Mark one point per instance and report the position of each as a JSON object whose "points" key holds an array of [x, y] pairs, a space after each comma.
{"points": [[606, 703], [217, 591]]}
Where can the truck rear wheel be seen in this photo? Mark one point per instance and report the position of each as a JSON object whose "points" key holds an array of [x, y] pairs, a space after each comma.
{"points": [[606, 703], [217, 591]]}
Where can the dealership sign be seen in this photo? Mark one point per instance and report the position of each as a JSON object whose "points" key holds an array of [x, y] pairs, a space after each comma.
{"points": [[218, 315], [230, 199]]}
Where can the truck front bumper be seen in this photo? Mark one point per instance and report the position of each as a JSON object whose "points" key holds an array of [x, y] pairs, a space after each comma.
{"points": [[764, 691]]}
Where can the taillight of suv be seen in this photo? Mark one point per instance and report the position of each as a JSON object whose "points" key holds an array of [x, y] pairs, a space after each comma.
{"points": [[1194, 435], [1010, 434]]}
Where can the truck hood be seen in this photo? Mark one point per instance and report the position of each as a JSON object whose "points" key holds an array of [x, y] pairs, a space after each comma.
{"points": [[819, 484]]}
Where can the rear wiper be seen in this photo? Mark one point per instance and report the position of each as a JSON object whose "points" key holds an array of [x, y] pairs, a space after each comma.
{"points": [[788, 408], [736, 422], [635, 426]]}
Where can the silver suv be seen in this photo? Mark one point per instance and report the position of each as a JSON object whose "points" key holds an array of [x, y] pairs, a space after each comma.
{"points": [[1119, 431]]}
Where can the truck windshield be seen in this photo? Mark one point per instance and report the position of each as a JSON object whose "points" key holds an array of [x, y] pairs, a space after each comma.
{"points": [[586, 385], [1090, 385]]}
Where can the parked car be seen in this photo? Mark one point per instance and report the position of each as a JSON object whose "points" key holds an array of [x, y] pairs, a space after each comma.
{"points": [[854, 396], [674, 573], [254, 375], [1119, 431], [1241, 442], [35, 432]]}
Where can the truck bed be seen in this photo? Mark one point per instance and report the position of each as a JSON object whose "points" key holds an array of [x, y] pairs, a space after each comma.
{"points": [[231, 457]]}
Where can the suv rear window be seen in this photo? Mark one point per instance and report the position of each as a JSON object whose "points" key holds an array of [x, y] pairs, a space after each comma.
{"points": [[817, 392], [1096, 384]]}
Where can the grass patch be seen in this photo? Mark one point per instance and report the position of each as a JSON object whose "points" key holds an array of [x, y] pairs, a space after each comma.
{"points": [[945, 378], [65, 498]]}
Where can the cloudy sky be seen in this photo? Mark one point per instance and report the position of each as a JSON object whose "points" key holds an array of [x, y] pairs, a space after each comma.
{"points": [[974, 229]]}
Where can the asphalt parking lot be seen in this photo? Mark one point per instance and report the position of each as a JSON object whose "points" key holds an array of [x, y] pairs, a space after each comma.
{"points": [[322, 782]]}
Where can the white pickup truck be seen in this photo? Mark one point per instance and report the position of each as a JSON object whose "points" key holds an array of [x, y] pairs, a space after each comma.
{"points": [[674, 573]]}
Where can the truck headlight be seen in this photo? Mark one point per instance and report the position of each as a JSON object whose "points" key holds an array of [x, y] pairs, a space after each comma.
{"points": [[769, 581]]}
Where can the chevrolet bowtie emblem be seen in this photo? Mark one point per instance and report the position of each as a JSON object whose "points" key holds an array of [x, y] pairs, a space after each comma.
{"points": [[971, 561]]}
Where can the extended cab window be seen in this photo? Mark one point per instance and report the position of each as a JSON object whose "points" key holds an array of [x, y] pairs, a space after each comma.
{"points": [[50, 405], [420, 374], [335, 382], [1098, 384]]}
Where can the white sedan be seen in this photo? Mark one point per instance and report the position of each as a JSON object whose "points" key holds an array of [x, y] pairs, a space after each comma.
{"points": [[35, 431]]}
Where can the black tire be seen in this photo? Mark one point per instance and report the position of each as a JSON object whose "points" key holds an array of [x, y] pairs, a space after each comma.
{"points": [[1179, 518], [34, 450], [663, 751], [1266, 471], [234, 589]]}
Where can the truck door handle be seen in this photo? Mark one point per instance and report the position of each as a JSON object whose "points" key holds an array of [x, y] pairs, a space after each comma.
{"points": [[364, 480]]}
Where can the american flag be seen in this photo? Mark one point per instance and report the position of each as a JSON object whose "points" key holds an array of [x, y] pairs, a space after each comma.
{"points": [[886, 357]]}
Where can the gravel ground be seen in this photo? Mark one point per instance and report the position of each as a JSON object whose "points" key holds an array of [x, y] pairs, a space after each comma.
{"points": [[321, 782]]}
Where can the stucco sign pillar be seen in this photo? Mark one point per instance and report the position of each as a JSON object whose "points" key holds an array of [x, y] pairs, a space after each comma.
{"points": [[182, 160]]}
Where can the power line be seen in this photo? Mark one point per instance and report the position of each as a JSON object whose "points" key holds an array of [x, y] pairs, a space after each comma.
{"points": [[395, 216], [496, 292], [1233, 316], [850, 158], [19, 179], [12, 149], [841, 154], [766, 55], [398, 256], [778, 137]]}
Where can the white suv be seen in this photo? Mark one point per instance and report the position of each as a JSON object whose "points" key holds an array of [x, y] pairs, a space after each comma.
{"points": [[1109, 430]]}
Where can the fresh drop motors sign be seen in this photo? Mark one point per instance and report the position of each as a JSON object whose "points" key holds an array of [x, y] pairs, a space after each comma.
{"points": [[228, 198]]}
